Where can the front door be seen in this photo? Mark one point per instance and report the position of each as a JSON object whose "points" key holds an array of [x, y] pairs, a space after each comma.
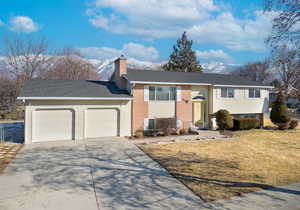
{"points": [[198, 113]]}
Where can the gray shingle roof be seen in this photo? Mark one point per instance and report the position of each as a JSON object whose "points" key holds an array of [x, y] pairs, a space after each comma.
{"points": [[71, 88], [189, 77]]}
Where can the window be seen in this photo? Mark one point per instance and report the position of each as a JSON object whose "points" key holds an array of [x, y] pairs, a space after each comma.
{"points": [[227, 92], [162, 93], [151, 93], [254, 93], [151, 124]]}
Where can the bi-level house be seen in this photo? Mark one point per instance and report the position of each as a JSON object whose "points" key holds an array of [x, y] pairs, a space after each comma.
{"points": [[76, 110]]}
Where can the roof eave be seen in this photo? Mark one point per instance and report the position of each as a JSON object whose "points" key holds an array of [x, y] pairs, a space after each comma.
{"points": [[189, 83], [166, 83], [77, 98], [245, 86]]}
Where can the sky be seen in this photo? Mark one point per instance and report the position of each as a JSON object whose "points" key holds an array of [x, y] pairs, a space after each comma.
{"points": [[229, 31]]}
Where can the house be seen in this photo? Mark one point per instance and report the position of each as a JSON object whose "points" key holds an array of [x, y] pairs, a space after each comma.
{"points": [[292, 100], [75, 110]]}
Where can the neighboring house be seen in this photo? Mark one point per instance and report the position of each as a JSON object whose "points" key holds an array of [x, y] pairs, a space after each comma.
{"points": [[132, 100], [292, 101]]}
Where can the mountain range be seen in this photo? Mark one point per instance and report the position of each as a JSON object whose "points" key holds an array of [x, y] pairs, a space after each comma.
{"points": [[105, 67]]}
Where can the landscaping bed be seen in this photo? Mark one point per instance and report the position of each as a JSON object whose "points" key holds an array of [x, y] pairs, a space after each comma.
{"points": [[218, 169], [7, 153]]}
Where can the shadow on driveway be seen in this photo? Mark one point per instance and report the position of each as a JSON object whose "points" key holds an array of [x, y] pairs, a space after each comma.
{"points": [[115, 174]]}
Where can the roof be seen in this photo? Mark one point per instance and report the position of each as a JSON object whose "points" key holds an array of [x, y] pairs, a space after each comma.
{"points": [[77, 89], [150, 76]]}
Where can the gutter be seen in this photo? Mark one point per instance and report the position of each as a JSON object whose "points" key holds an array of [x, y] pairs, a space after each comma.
{"points": [[245, 86], [78, 98]]}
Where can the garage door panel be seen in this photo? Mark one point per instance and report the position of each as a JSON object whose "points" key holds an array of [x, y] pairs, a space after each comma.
{"points": [[101, 123], [53, 125]]}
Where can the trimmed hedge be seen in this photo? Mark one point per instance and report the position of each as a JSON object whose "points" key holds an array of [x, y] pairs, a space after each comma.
{"points": [[245, 123]]}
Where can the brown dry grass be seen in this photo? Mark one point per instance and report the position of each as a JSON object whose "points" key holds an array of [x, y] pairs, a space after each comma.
{"points": [[7, 153], [218, 169]]}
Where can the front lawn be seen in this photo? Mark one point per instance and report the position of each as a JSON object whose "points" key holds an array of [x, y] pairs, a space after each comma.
{"points": [[218, 169], [8, 153]]}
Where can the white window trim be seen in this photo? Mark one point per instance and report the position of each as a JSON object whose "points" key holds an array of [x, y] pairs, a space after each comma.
{"points": [[227, 88], [169, 93], [254, 93]]}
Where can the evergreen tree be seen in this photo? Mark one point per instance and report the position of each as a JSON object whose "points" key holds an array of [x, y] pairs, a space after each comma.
{"points": [[280, 115], [183, 58]]}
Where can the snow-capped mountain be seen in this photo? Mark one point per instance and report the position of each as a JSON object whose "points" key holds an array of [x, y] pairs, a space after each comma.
{"points": [[105, 68], [219, 67]]}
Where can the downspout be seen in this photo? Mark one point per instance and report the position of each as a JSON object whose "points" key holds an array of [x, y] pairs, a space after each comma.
{"points": [[131, 94]]}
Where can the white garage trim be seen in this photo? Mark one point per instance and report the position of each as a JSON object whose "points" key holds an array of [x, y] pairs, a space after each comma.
{"points": [[53, 124], [101, 122], [79, 107]]}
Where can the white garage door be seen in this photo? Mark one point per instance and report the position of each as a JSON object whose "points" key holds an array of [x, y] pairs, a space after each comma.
{"points": [[101, 123], [52, 125]]}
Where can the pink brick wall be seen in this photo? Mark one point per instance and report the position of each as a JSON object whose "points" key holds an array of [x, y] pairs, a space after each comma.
{"points": [[184, 108], [139, 108]]}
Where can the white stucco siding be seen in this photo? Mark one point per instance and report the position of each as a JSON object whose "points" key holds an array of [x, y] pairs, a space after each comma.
{"points": [[161, 109], [79, 108], [241, 103]]}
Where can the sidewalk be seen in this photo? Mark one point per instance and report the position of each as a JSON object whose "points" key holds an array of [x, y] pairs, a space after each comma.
{"points": [[277, 198]]}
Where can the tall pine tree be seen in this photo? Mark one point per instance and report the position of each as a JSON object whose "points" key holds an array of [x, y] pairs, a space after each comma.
{"points": [[183, 58]]}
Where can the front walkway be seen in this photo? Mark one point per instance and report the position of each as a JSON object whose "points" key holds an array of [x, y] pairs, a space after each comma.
{"points": [[203, 135], [104, 174]]}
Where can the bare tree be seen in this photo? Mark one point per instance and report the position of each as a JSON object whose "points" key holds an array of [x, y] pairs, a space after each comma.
{"points": [[286, 22], [69, 65], [257, 71], [26, 58], [287, 63], [8, 92]]}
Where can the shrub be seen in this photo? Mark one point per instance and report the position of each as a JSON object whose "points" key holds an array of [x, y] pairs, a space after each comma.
{"points": [[165, 125], [192, 131], [283, 126], [182, 131], [224, 119], [245, 123], [293, 124], [139, 134], [280, 115]]}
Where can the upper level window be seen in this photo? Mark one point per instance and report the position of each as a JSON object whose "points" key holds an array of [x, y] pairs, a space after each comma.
{"points": [[254, 93], [162, 93], [227, 92]]}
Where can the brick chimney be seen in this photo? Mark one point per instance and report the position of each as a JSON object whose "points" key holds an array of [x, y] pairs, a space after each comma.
{"points": [[120, 69]]}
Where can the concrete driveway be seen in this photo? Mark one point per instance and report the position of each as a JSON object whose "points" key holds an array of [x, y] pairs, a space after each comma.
{"points": [[106, 174]]}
